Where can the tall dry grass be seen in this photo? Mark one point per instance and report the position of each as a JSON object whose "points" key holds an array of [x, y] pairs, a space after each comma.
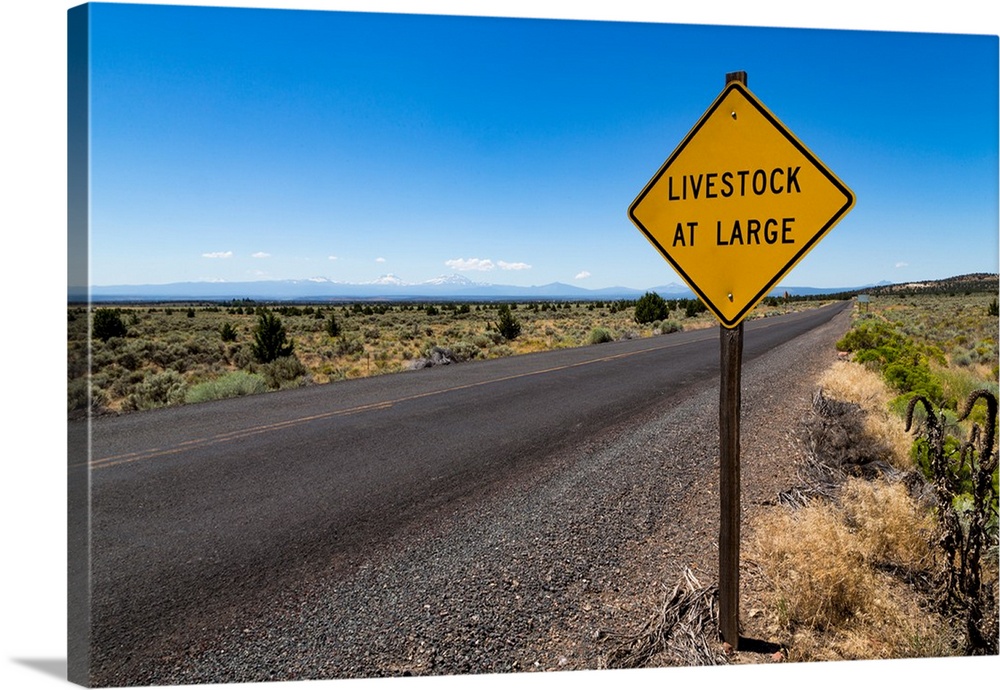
{"points": [[854, 383], [839, 575], [842, 572]]}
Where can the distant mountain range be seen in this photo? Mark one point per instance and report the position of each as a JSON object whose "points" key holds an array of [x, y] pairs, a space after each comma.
{"points": [[449, 287]]}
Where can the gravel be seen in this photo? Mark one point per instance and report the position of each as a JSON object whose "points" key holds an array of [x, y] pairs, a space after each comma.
{"points": [[531, 575]]}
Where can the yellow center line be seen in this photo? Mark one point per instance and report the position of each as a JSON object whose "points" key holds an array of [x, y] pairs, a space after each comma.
{"points": [[112, 460]]}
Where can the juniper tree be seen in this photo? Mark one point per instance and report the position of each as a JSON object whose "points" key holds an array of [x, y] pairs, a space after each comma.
{"points": [[507, 326], [651, 307], [108, 324], [269, 339]]}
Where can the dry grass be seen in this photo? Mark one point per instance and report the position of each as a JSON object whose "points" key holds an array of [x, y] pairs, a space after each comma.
{"points": [[846, 577], [839, 576], [854, 383], [891, 528]]}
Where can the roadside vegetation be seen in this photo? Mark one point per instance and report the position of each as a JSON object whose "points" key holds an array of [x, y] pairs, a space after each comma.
{"points": [[889, 547], [144, 356]]}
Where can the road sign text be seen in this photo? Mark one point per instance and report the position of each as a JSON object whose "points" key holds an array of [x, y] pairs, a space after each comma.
{"points": [[713, 185]]}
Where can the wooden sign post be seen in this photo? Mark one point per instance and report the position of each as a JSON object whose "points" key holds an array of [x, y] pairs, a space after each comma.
{"points": [[734, 208], [731, 369]]}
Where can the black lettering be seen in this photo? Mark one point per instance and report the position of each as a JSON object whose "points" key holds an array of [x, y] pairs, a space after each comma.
{"points": [[794, 180], [679, 235], [737, 236], [710, 185], [770, 235], [696, 186], [718, 234], [670, 190], [759, 182], [775, 189], [786, 227], [753, 230], [743, 181], [727, 188]]}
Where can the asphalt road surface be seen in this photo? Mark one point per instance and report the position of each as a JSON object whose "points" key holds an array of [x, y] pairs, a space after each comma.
{"points": [[199, 509]]}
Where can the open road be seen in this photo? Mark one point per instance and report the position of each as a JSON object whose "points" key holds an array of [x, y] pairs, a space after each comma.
{"points": [[200, 513]]}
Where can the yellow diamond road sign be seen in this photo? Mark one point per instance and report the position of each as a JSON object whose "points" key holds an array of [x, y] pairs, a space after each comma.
{"points": [[738, 203]]}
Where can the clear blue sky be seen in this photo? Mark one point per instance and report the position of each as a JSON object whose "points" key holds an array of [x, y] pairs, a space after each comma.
{"points": [[242, 144]]}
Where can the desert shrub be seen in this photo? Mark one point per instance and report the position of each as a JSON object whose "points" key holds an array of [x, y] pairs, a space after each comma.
{"points": [[283, 371], [651, 307], [158, 389], [227, 332], [231, 385], [348, 347], [902, 363], [77, 394], [108, 324], [464, 351], [913, 376], [500, 351], [599, 335], [241, 356], [670, 327]]}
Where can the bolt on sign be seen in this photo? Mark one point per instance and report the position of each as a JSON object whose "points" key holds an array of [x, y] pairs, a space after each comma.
{"points": [[738, 204]]}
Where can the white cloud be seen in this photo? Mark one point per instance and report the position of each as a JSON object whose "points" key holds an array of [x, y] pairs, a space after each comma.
{"points": [[260, 255], [380, 260], [470, 264], [901, 264], [218, 255], [582, 274], [517, 266], [332, 258]]}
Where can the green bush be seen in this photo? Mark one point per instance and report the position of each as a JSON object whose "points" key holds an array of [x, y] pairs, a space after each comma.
{"points": [[651, 307], [157, 390], [347, 347], [464, 351], [108, 324], [599, 335], [903, 365], [231, 385], [227, 332], [283, 372]]}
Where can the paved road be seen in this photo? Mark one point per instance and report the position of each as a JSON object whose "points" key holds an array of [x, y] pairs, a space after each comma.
{"points": [[192, 504]]}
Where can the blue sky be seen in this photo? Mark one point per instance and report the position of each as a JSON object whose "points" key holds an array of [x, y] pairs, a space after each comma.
{"points": [[235, 144], [242, 144]]}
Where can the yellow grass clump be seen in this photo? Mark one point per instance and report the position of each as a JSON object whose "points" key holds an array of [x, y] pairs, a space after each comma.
{"points": [[834, 594], [889, 526], [852, 382]]}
